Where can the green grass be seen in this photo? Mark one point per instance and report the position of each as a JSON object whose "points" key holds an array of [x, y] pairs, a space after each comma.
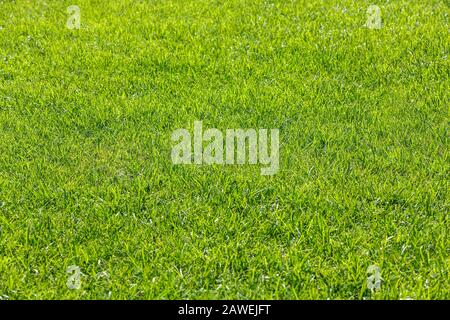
{"points": [[86, 176]]}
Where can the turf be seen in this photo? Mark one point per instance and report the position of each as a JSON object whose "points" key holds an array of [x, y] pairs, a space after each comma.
{"points": [[86, 177]]}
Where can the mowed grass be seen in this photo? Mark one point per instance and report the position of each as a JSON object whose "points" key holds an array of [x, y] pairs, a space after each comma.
{"points": [[86, 177]]}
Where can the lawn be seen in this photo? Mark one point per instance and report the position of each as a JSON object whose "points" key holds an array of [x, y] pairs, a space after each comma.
{"points": [[87, 180]]}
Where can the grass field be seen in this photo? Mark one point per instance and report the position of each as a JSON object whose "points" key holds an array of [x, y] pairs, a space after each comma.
{"points": [[86, 177]]}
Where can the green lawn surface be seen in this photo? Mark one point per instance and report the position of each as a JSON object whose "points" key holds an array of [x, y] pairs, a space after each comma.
{"points": [[86, 177]]}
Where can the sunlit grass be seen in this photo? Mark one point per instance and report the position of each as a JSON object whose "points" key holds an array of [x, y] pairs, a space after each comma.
{"points": [[86, 177]]}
